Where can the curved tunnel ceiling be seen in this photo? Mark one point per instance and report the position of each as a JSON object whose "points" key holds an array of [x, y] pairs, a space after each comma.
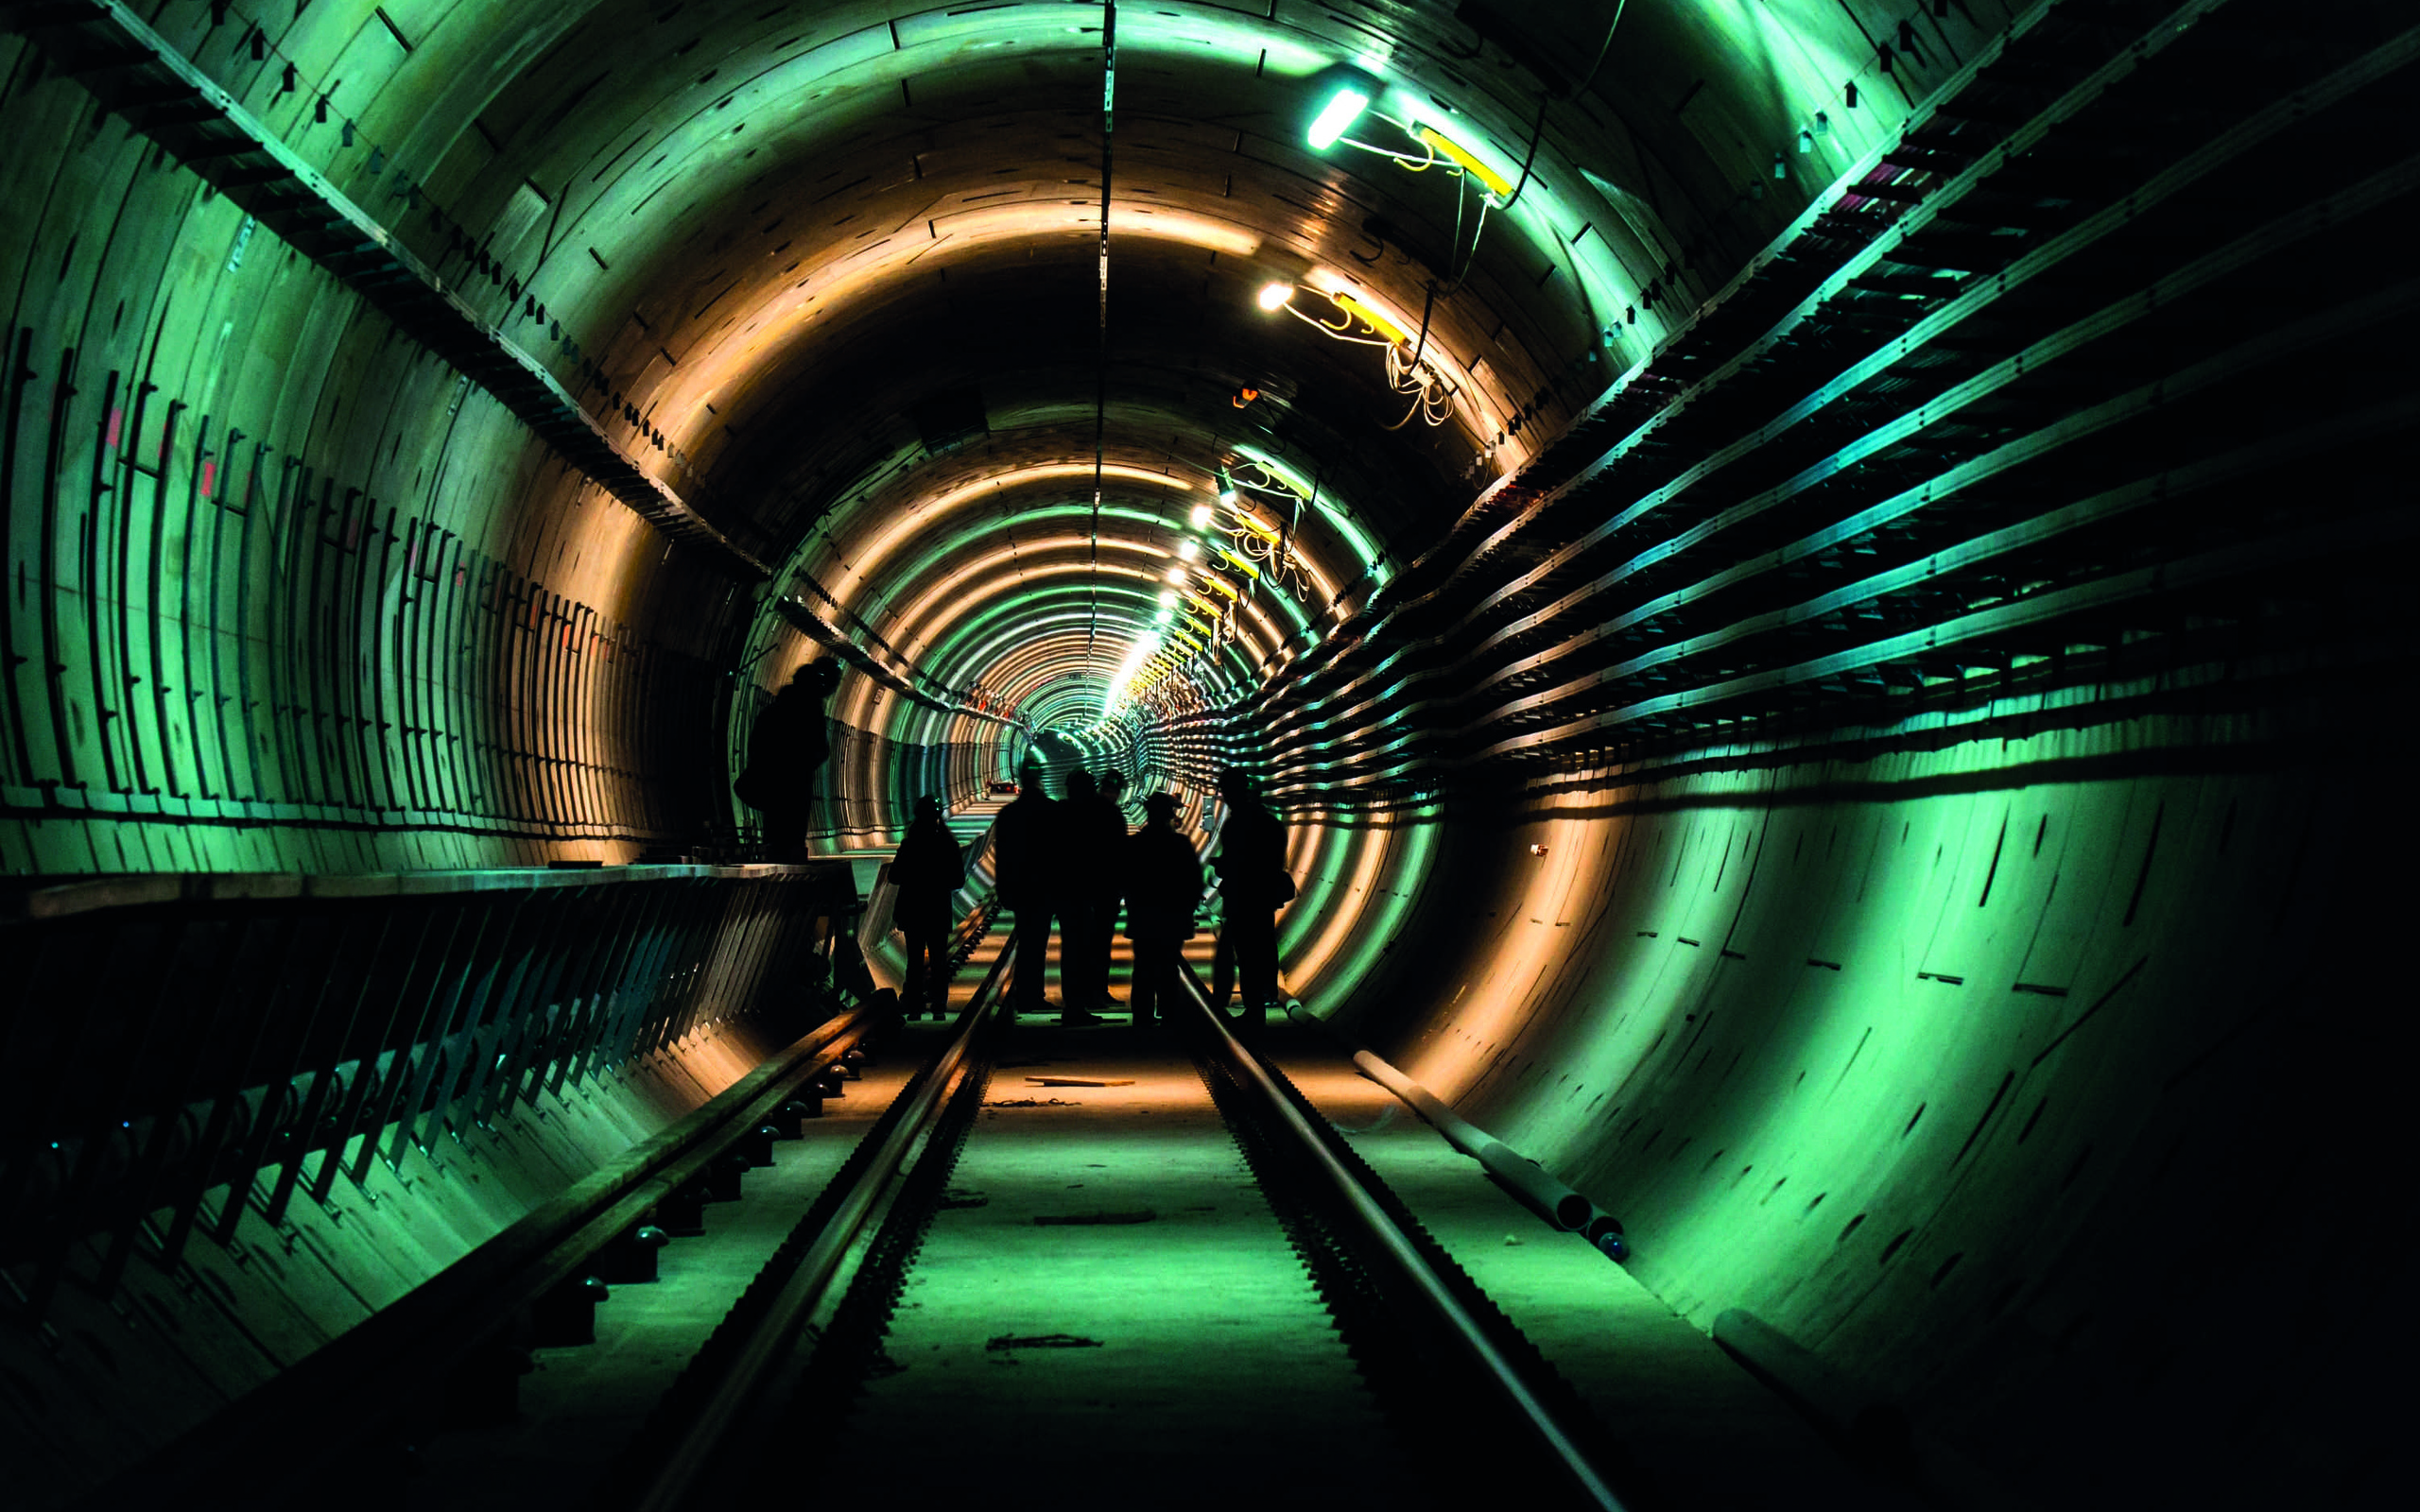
{"points": [[1877, 677], [832, 273]]}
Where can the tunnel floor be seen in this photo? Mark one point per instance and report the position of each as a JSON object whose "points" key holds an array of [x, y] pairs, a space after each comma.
{"points": [[1106, 1310]]}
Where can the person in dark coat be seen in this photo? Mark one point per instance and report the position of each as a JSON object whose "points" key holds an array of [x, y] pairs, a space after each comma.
{"points": [[1253, 884], [1162, 889], [1096, 839], [929, 871], [787, 749], [1025, 863]]}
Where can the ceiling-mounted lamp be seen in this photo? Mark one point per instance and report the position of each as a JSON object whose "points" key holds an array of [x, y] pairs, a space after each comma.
{"points": [[1493, 182], [1274, 294], [1341, 95], [1200, 517], [1188, 550]]}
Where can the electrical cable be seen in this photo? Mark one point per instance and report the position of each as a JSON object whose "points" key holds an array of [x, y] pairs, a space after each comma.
{"points": [[1601, 49], [1100, 382]]}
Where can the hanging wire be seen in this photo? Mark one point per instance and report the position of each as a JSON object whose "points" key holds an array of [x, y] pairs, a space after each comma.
{"points": [[1100, 382]]}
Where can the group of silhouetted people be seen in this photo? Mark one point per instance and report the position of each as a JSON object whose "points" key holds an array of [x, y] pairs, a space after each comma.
{"points": [[1070, 859]]}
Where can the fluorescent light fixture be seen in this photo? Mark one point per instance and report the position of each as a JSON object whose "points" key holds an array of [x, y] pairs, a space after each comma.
{"points": [[1272, 295], [1342, 95]]}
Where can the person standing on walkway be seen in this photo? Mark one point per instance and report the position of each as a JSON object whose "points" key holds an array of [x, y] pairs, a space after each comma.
{"points": [[1026, 864], [1089, 898], [1162, 889], [929, 871], [787, 749], [1253, 884]]}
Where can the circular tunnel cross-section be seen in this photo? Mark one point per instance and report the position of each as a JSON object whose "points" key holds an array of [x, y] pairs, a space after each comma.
{"points": [[1808, 596]]}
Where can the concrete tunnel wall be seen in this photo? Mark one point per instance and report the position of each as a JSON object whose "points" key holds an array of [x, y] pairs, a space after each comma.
{"points": [[2009, 1076], [2014, 1077]]}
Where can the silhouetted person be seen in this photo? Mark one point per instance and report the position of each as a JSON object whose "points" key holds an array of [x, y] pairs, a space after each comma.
{"points": [[1254, 883], [927, 871], [1162, 889], [787, 749], [1094, 850], [1025, 860]]}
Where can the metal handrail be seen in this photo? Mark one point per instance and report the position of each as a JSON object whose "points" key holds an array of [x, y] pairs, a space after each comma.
{"points": [[1398, 1247]]}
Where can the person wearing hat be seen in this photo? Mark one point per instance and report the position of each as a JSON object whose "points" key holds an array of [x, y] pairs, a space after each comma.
{"points": [[787, 749], [929, 871], [1162, 889], [1253, 883], [1026, 868]]}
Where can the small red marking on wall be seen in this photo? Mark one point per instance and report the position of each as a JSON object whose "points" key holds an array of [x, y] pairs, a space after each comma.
{"points": [[209, 476], [116, 418]]}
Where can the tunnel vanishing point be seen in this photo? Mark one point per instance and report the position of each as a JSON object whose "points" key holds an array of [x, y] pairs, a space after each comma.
{"points": [[1820, 585]]}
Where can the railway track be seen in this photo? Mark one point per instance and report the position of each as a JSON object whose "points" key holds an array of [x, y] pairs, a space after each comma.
{"points": [[1142, 1256], [1012, 1261]]}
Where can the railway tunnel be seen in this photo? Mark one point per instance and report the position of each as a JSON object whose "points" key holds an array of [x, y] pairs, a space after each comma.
{"points": [[1814, 582]]}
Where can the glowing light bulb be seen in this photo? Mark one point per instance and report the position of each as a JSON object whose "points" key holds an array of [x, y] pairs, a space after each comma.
{"points": [[1274, 294], [1168, 598], [1200, 517], [1189, 551], [1176, 575]]}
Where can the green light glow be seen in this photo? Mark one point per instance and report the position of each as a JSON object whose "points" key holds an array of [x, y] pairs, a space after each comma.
{"points": [[1343, 109]]}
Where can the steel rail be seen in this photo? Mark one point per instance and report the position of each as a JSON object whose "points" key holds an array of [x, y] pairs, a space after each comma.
{"points": [[306, 1421], [1398, 1249], [2383, 528], [779, 1300], [2161, 393]]}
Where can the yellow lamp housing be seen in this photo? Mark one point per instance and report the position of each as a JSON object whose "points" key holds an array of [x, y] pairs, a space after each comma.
{"points": [[1257, 526], [1495, 182], [1377, 322], [1240, 564]]}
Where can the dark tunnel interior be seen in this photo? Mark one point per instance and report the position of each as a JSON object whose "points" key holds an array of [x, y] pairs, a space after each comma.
{"points": [[1814, 584]]}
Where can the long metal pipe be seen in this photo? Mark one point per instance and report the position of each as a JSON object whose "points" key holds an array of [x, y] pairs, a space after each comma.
{"points": [[1398, 1247], [1537, 1188]]}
